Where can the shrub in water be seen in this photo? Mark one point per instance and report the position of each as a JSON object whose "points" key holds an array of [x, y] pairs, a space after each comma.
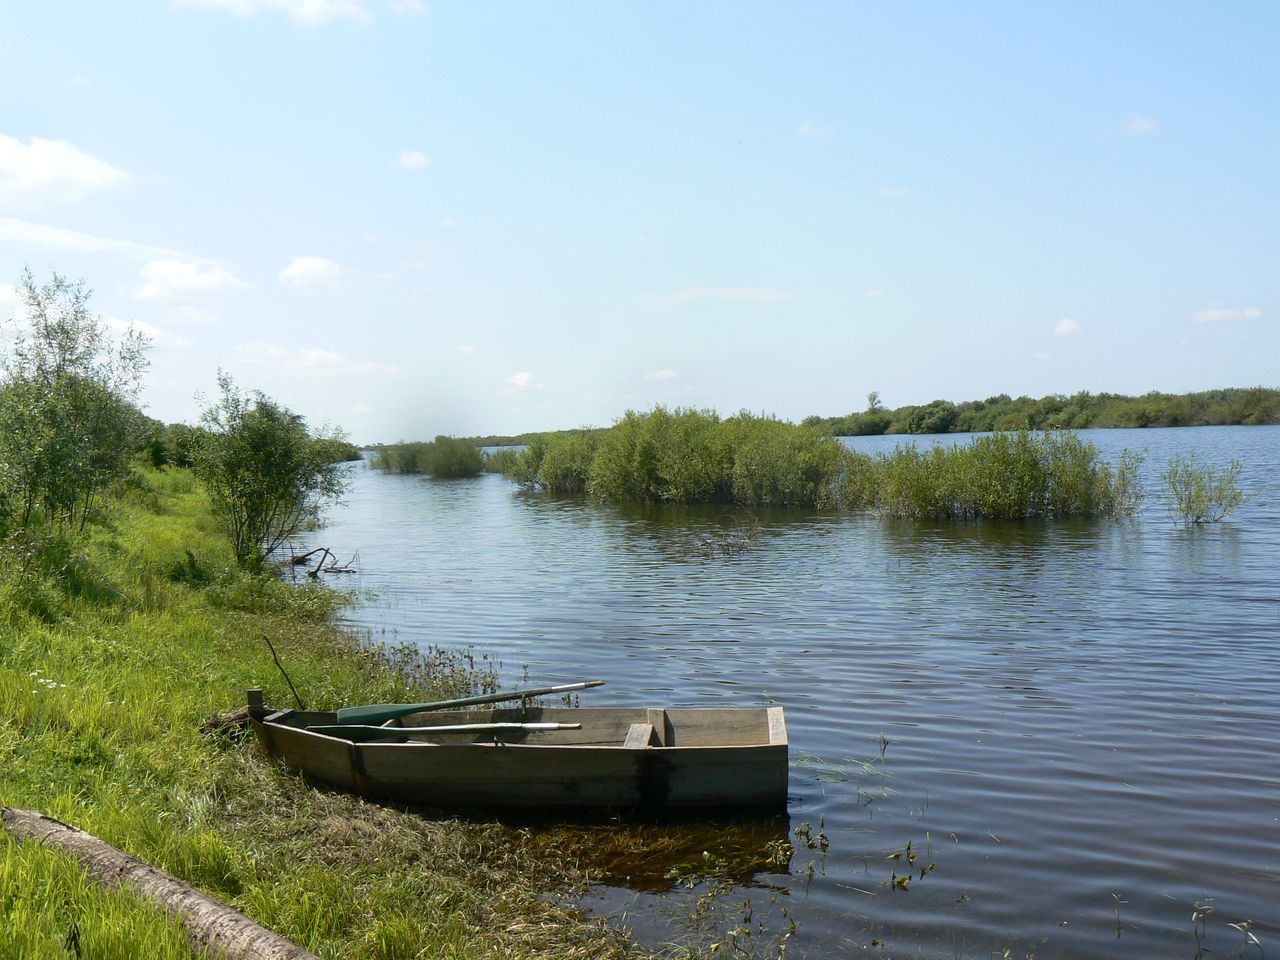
{"points": [[1200, 493]]}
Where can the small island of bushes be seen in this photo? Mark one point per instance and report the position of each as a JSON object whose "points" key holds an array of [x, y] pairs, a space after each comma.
{"points": [[746, 460]]}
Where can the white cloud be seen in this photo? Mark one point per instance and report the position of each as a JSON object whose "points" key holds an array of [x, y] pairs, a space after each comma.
{"points": [[521, 382], [811, 131], [308, 361], [876, 293], [361, 410], [894, 193], [312, 274], [1137, 125], [187, 315], [1216, 312], [77, 80], [1040, 355], [169, 279], [407, 8], [466, 349], [664, 374], [24, 233], [156, 335], [306, 13], [412, 160], [51, 170], [721, 295], [1066, 327]]}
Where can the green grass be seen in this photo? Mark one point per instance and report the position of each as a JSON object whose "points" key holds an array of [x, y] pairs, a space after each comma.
{"points": [[113, 648]]}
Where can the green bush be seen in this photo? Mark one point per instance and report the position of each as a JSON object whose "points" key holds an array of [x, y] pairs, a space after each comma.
{"points": [[443, 458], [1201, 493], [267, 475], [68, 424], [1008, 476], [502, 460]]}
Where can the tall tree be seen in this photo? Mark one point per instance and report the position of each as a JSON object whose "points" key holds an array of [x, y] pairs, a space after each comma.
{"points": [[68, 419]]}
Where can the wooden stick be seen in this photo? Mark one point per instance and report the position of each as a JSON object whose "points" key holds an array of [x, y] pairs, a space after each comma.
{"points": [[361, 732], [297, 699], [210, 924]]}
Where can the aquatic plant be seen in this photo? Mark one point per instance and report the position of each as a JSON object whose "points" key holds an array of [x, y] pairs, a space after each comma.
{"points": [[442, 458], [1007, 476], [1200, 492]]}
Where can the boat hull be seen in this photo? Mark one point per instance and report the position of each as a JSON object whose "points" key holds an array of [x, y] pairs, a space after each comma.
{"points": [[620, 758]]}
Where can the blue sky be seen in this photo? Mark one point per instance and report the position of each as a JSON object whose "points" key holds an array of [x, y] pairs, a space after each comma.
{"points": [[415, 218]]}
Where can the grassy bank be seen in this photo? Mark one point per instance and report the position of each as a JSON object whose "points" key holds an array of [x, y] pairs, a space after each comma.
{"points": [[694, 456], [115, 645]]}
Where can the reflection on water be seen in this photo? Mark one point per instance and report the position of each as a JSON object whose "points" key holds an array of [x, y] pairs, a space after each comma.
{"points": [[1066, 720]]}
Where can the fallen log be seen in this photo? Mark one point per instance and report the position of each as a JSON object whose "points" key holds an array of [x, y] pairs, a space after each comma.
{"points": [[210, 924], [230, 723]]}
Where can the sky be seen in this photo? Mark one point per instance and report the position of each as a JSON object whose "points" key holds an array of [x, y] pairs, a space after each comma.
{"points": [[414, 218]]}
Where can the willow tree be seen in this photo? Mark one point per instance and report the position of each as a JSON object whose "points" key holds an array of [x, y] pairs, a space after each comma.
{"points": [[68, 418], [268, 475]]}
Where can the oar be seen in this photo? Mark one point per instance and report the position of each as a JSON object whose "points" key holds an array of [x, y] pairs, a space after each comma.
{"points": [[382, 712], [362, 733]]}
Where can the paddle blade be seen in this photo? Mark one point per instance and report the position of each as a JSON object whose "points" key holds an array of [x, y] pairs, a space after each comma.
{"points": [[377, 713]]}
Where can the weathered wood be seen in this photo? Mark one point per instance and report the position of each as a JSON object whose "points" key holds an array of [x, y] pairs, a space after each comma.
{"points": [[229, 723], [709, 758], [210, 924], [640, 736], [378, 712], [364, 733]]}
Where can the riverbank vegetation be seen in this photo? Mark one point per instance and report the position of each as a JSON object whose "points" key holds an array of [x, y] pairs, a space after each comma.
{"points": [[442, 458], [130, 610], [267, 475], [115, 642], [695, 456]]}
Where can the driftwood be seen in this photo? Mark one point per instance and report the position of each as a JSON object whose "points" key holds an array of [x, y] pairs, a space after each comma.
{"points": [[326, 555], [210, 924], [230, 723]]}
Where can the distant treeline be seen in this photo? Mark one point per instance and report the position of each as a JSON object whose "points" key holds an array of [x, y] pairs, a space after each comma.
{"points": [[1253, 405], [695, 456], [1079, 411]]}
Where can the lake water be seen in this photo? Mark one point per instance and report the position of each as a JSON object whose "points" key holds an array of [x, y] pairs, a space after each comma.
{"points": [[1080, 722]]}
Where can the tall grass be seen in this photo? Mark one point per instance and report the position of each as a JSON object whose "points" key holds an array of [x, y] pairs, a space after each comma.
{"points": [[695, 456]]}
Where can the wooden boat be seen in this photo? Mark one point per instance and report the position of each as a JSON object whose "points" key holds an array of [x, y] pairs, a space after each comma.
{"points": [[534, 758]]}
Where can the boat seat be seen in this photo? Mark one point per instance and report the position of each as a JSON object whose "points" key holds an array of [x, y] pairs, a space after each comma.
{"points": [[642, 735]]}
